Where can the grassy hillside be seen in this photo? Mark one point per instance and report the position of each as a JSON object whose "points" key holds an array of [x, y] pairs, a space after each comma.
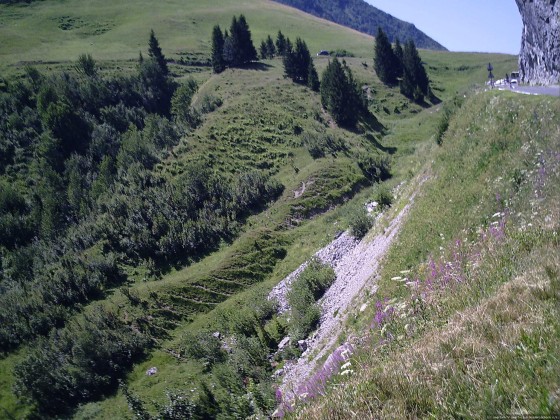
{"points": [[54, 32], [260, 203], [466, 318]]}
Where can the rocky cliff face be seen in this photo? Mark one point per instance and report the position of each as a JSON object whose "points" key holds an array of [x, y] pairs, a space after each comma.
{"points": [[539, 59]]}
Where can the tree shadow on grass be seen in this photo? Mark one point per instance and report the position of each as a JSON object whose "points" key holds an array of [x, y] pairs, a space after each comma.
{"points": [[369, 122], [257, 65], [371, 138]]}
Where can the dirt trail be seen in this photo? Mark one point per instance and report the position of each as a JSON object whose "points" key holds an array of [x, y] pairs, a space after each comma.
{"points": [[355, 264]]}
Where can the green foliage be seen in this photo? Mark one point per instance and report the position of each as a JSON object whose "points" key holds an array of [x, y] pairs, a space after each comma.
{"points": [[383, 196], [415, 83], [447, 112], [360, 222], [267, 48], [155, 53], [270, 47], [386, 63], [319, 144], [238, 46], [181, 104], [16, 225], [205, 347], [218, 62], [340, 94], [313, 77], [281, 44], [86, 65], [79, 363], [376, 167], [304, 292], [298, 65]]}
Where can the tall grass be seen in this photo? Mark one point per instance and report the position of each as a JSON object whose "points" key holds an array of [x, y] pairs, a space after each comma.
{"points": [[466, 320]]}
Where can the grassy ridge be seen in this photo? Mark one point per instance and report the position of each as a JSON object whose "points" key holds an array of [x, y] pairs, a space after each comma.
{"points": [[476, 331]]}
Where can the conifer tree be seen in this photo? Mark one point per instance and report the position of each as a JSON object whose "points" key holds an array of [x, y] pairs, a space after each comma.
{"points": [[415, 83], [385, 59], [263, 50], [238, 47], [154, 51], [218, 63], [271, 49], [280, 44], [297, 62], [398, 51], [312, 77], [339, 93], [246, 50]]}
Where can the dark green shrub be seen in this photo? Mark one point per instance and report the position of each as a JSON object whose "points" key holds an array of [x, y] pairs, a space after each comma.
{"points": [[204, 347], [79, 363], [305, 291], [376, 167], [383, 196], [319, 144], [360, 223]]}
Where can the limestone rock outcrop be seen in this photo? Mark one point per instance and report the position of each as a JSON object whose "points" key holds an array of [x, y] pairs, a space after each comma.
{"points": [[539, 59]]}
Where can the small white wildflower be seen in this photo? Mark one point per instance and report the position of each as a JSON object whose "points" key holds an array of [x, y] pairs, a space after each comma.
{"points": [[346, 365]]}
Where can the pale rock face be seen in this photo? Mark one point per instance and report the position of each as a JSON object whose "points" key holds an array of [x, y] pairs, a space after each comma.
{"points": [[539, 59]]}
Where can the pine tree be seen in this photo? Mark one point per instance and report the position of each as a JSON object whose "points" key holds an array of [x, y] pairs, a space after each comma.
{"points": [[385, 60], [154, 51], [238, 47], [312, 77], [398, 51], [296, 62], [263, 50], [218, 63], [415, 83], [339, 93], [246, 49], [271, 49], [280, 44]]}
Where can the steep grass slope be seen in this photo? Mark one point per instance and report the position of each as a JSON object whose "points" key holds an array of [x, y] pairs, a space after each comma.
{"points": [[465, 322]]}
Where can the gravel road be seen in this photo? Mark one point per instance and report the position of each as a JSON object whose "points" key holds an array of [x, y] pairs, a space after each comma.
{"points": [[355, 264]]}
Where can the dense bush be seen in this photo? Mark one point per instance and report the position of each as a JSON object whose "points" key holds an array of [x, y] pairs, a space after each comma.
{"points": [[79, 363], [80, 202], [376, 167], [383, 196], [318, 145], [205, 347], [360, 222], [303, 295]]}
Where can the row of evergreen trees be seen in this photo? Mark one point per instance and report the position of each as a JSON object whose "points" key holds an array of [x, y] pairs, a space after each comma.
{"points": [[393, 65], [232, 49], [270, 49]]}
